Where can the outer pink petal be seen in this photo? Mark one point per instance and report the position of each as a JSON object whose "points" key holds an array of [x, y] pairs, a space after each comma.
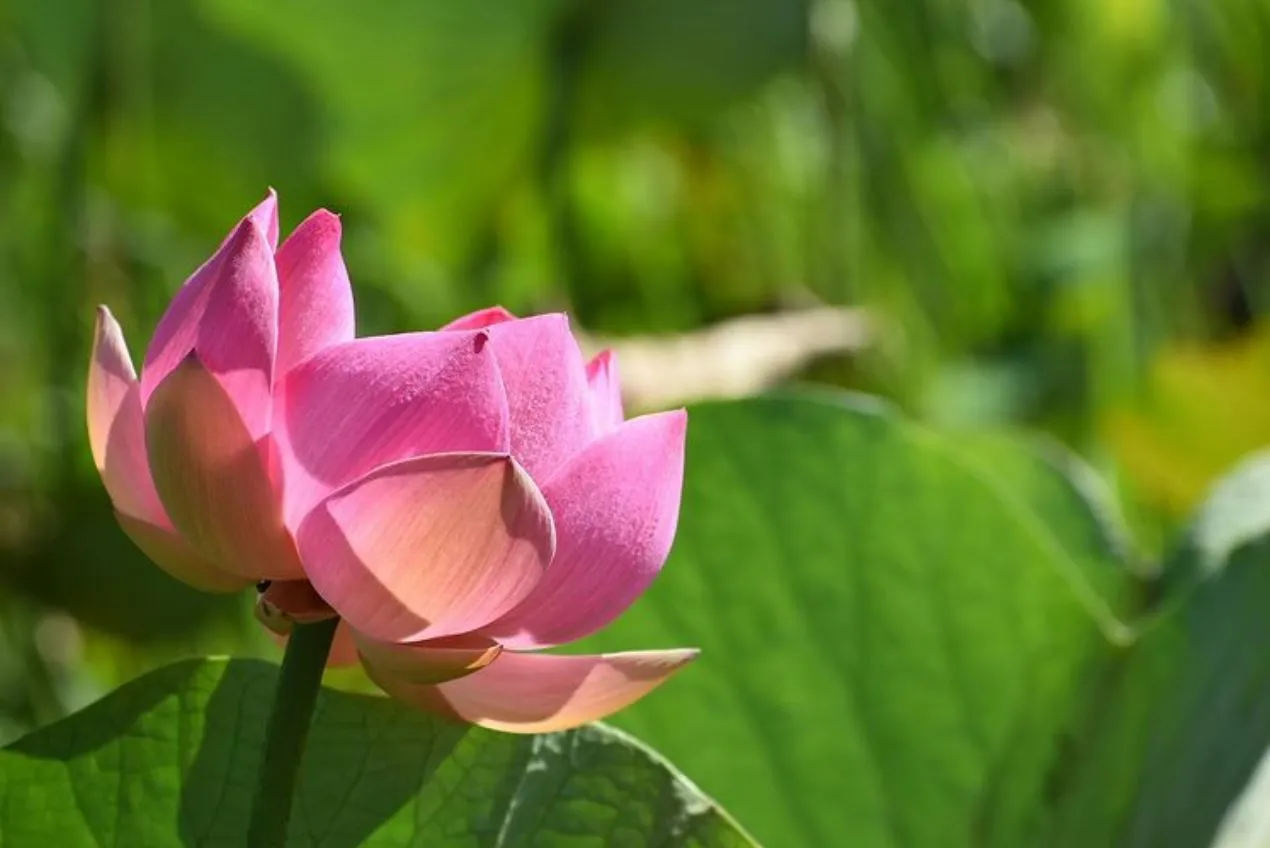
{"points": [[615, 506], [429, 547], [365, 403], [541, 693], [115, 428], [265, 216], [547, 396], [430, 662], [171, 553], [213, 479], [227, 313], [606, 392], [481, 319], [316, 309]]}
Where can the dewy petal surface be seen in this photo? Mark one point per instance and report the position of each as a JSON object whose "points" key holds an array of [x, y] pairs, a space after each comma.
{"points": [[430, 662], [541, 693], [316, 307], [429, 547], [116, 431], [372, 401], [606, 392], [227, 313], [547, 395], [171, 553], [213, 479], [615, 507]]}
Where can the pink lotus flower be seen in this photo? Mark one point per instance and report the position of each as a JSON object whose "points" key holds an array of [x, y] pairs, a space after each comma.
{"points": [[460, 497]]}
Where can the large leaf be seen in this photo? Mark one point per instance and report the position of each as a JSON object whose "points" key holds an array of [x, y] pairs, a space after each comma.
{"points": [[171, 758], [1187, 716], [894, 648]]}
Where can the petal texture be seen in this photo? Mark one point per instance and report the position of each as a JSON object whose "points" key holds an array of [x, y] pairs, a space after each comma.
{"points": [[606, 392], [316, 307], [429, 547], [548, 404], [227, 313], [171, 553], [615, 506], [116, 431], [434, 661], [363, 404], [541, 693], [213, 479], [265, 217]]}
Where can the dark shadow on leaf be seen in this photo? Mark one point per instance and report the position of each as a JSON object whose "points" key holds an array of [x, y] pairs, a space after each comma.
{"points": [[367, 757]]}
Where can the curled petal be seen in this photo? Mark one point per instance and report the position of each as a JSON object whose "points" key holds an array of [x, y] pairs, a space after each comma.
{"points": [[171, 553], [213, 479], [615, 507], [372, 401], [116, 431], [433, 661], [227, 313], [429, 547], [548, 404], [316, 308], [606, 392], [541, 693], [481, 319]]}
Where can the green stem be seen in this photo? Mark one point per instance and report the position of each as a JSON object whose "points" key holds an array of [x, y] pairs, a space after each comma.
{"points": [[293, 702]]}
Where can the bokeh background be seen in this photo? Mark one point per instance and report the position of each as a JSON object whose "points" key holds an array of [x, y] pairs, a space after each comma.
{"points": [[1049, 214]]}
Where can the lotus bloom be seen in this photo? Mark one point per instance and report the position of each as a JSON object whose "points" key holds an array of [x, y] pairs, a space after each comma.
{"points": [[460, 498]]}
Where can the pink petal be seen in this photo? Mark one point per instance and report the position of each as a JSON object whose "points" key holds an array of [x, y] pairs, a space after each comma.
{"points": [[213, 479], [372, 401], [430, 662], [116, 431], [316, 309], [429, 547], [548, 404], [481, 319], [615, 507], [171, 553], [227, 313], [541, 693], [606, 392], [265, 217]]}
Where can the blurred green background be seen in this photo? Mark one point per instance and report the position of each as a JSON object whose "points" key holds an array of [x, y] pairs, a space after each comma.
{"points": [[1053, 214]]}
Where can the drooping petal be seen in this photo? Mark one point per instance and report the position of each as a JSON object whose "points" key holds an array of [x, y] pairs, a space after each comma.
{"points": [[547, 395], [227, 313], [171, 553], [116, 431], [615, 507], [429, 547], [316, 307], [606, 392], [480, 319], [213, 479], [369, 402], [430, 662], [265, 216], [541, 693]]}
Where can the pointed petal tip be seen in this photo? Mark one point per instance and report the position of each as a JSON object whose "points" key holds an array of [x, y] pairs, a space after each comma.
{"points": [[481, 319]]}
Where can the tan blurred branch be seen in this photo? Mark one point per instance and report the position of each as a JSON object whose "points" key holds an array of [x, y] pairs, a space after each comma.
{"points": [[733, 359]]}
